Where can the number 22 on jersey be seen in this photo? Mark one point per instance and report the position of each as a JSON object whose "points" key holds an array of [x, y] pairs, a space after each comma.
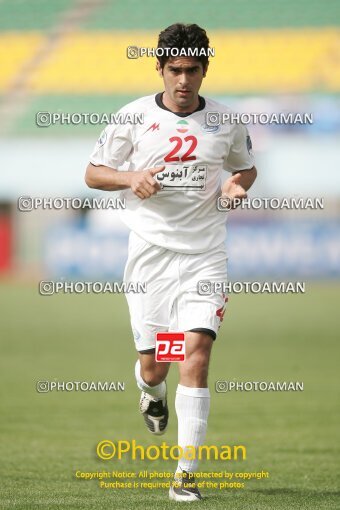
{"points": [[189, 142]]}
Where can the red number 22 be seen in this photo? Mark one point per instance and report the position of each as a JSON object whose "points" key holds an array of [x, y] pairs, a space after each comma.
{"points": [[178, 145]]}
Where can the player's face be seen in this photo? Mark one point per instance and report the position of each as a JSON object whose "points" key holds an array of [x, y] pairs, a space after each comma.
{"points": [[182, 80]]}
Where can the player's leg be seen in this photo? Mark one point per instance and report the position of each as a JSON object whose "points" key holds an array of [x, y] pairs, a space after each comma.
{"points": [[149, 315], [200, 316], [150, 377], [192, 407], [152, 372], [193, 372]]}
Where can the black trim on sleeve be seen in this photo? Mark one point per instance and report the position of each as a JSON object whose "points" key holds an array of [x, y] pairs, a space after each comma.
{"points": [[159, 102]]}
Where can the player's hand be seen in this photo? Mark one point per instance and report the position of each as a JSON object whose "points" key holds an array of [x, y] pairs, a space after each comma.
{"points": [[143, 184], [232, 189]]}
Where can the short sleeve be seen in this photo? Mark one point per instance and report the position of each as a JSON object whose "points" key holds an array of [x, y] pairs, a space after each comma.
{"points": [[240, 155], [113, 146]]}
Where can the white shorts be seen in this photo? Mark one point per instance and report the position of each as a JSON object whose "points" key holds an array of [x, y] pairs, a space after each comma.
{"points": [[172, 301]]}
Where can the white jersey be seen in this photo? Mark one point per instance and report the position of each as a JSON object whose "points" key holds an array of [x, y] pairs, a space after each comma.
{"points": [[183, 216]]}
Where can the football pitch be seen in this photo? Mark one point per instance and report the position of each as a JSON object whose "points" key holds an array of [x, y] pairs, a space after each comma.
{"points": [[47, 437]]}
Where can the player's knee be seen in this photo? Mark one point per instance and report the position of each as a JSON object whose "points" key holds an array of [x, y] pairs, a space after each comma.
{"points": [[196, 367], [198, 360], [152, 378]]}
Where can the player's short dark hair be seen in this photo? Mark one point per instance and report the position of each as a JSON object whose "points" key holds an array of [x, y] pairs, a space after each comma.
{"points": [[184, 36]]}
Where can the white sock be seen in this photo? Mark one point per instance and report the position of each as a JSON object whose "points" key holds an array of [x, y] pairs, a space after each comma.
{"points": [[157, 391], [192, 408]]}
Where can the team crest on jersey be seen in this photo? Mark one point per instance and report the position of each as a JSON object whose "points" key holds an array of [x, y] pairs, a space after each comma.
{"points": [[182, 126], [210, 129], [102, 139]]}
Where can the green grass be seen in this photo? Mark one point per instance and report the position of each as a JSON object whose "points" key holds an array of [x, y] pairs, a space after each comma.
{"points": [[47, 437]]}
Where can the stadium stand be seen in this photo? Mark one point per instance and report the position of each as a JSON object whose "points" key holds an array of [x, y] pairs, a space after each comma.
{"points": [[73, 52]]}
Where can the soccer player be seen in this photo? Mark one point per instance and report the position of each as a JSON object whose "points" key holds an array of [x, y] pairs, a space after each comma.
{"points": [[176, 161]]}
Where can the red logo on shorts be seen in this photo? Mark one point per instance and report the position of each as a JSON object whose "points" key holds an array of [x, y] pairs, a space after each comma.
{"points": [[170, 347], [221, 311]]}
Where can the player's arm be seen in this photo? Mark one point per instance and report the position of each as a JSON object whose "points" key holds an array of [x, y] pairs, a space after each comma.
{"points": [[141, 182], [238, 184], [240, 162]]}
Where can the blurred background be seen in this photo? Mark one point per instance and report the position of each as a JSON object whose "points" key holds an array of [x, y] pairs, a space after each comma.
{"points": [[69, 56]]}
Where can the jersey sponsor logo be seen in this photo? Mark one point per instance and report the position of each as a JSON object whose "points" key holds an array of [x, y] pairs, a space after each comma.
{"points": [[182, 126], [170, 347], [154, 127], [183, 178], [210, 129]]}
